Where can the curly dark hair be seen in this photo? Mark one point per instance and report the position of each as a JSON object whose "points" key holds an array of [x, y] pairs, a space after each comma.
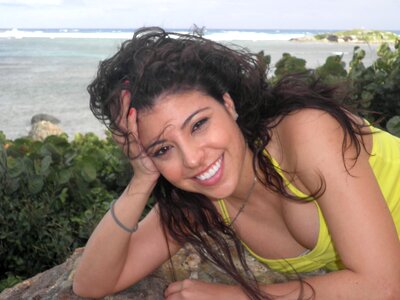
{"points": [[154, 63]]}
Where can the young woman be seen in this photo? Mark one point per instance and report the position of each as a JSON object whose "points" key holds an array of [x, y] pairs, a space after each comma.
{"points": [[284, 171]]}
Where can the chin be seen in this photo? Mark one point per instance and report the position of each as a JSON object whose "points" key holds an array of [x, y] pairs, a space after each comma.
{"points": [[223, 192]]}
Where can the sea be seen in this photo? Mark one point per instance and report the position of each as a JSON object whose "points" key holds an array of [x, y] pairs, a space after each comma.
{"points": [[47, 70]]}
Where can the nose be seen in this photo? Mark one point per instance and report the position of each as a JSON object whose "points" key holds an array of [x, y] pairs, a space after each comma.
{"points": [[192, 155]]}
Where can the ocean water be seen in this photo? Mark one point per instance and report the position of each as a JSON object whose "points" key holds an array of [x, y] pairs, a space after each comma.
{"points": [[47, 70]]}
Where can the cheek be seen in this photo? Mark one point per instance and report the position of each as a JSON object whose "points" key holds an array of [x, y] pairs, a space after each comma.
{"points": [[169, 170]]}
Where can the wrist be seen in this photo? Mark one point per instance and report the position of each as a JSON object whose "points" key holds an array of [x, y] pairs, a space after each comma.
{"points": [[143, 183]]}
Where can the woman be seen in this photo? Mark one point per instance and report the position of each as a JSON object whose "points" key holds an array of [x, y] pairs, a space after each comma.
{"points": [[286, 171]]}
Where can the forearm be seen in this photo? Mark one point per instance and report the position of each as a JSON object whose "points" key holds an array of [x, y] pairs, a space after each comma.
{"points": [[105, 253], [343, 284]]}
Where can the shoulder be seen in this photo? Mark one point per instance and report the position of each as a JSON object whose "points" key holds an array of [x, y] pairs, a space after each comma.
{"points": [[301, 126], [305, 133], [310, 143]]}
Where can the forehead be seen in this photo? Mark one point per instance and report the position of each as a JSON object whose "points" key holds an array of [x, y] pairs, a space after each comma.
{"points": [[171, 111]]}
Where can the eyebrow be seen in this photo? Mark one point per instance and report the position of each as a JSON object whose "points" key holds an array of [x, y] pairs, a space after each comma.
{"points": [[184, 124], [188, 119]]}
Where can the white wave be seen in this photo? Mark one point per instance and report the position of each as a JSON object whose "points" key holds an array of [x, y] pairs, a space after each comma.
{"points": [[65, 33], [252, 36], [223, 35]]}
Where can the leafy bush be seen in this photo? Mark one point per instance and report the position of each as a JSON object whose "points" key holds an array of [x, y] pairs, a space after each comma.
{"points": [[374, 90], [377, 87], [52, 195]]}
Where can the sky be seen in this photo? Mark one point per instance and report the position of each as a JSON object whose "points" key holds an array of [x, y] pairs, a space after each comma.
{"points": [[182, 14]]}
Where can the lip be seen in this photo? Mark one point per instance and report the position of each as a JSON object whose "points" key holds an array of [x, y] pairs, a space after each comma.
{"points": [[215, 178]]}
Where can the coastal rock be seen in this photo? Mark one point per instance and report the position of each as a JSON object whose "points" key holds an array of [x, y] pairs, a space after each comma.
{"points": [[307, 38], [332, 38], [347, 38], [44, 117], [56, 283], [42, 129]]}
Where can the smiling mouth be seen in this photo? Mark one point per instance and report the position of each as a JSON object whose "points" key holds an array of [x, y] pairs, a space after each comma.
{"points": [[211, 171]]}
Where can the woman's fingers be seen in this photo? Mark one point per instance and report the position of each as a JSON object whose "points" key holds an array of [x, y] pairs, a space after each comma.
{"points": [[126, 123], [198, 290], [125, 103], [134, 146], [173, 288], [128, 138]]}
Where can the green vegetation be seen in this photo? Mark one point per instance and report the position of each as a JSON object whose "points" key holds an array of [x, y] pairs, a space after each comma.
{"points": [[369, 36], [374, 90], [52, 193]]}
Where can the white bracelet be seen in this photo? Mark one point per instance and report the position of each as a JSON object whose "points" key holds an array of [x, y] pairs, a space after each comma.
{"points": [[130, 230]]}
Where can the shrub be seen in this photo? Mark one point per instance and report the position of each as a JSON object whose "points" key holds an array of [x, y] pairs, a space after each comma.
{"points": [[374, 90], [52, 195]]}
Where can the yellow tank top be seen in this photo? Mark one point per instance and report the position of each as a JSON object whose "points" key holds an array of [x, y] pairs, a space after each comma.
{"points": [[385, 162]]}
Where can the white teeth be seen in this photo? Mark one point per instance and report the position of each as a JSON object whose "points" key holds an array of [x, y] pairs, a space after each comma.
{"points": [[211, 171]]}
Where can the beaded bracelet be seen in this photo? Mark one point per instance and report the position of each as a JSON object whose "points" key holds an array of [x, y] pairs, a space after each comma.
{"points": [[130, 230]]}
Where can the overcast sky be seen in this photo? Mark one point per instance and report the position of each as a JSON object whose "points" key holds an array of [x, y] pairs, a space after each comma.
{"points": [[229, 14]]}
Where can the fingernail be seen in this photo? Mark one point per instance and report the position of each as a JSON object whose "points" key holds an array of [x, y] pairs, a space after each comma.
{"points": [[131, 111]]}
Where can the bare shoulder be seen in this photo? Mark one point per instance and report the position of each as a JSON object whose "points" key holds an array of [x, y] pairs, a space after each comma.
{"points": [[301, 126], [302, 132], [309, 142]]}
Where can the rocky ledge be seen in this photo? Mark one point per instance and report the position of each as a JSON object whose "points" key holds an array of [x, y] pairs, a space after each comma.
{"points": [[56, 283]]}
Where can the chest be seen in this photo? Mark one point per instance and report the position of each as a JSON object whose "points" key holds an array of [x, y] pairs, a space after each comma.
{"points": [[274, 227]]}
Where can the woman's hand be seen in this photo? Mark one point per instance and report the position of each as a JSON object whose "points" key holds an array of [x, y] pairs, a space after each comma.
{"points": [[127, 123], [199, 290]]}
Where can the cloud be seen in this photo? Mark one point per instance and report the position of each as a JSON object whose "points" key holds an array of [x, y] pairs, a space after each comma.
{"points": [[32, 2], [311, 14]]}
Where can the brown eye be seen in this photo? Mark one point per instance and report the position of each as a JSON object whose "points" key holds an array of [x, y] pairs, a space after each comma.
{"points": [[161, 151], [199, 124]]}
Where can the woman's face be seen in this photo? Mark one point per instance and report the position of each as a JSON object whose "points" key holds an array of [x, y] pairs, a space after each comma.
{"points": [[195, 142]]}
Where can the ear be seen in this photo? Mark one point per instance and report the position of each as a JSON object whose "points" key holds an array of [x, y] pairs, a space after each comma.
{"points": [[230, 106]]}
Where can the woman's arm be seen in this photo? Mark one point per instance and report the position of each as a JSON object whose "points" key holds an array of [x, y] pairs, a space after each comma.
{"points": [[113, 258]]}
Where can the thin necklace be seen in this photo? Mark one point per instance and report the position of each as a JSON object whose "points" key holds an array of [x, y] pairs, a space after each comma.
{"points": [[244, 202]]}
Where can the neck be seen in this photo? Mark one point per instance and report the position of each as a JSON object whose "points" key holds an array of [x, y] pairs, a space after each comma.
{"points": [[246, 180]]}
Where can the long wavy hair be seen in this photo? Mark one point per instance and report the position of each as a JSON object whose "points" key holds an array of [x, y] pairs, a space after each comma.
{"points": [[155, 62]]}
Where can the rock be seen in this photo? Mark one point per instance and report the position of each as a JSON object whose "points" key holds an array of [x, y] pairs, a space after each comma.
{"points": [[332, 38], [42, 129], [307, 38], [56, 283], [44, 117], [347, 38]]}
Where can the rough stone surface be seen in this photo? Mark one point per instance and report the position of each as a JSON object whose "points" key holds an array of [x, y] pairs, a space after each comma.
{"points": [[44, 117], [56, 283], [332, 38], [42, 129]]}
